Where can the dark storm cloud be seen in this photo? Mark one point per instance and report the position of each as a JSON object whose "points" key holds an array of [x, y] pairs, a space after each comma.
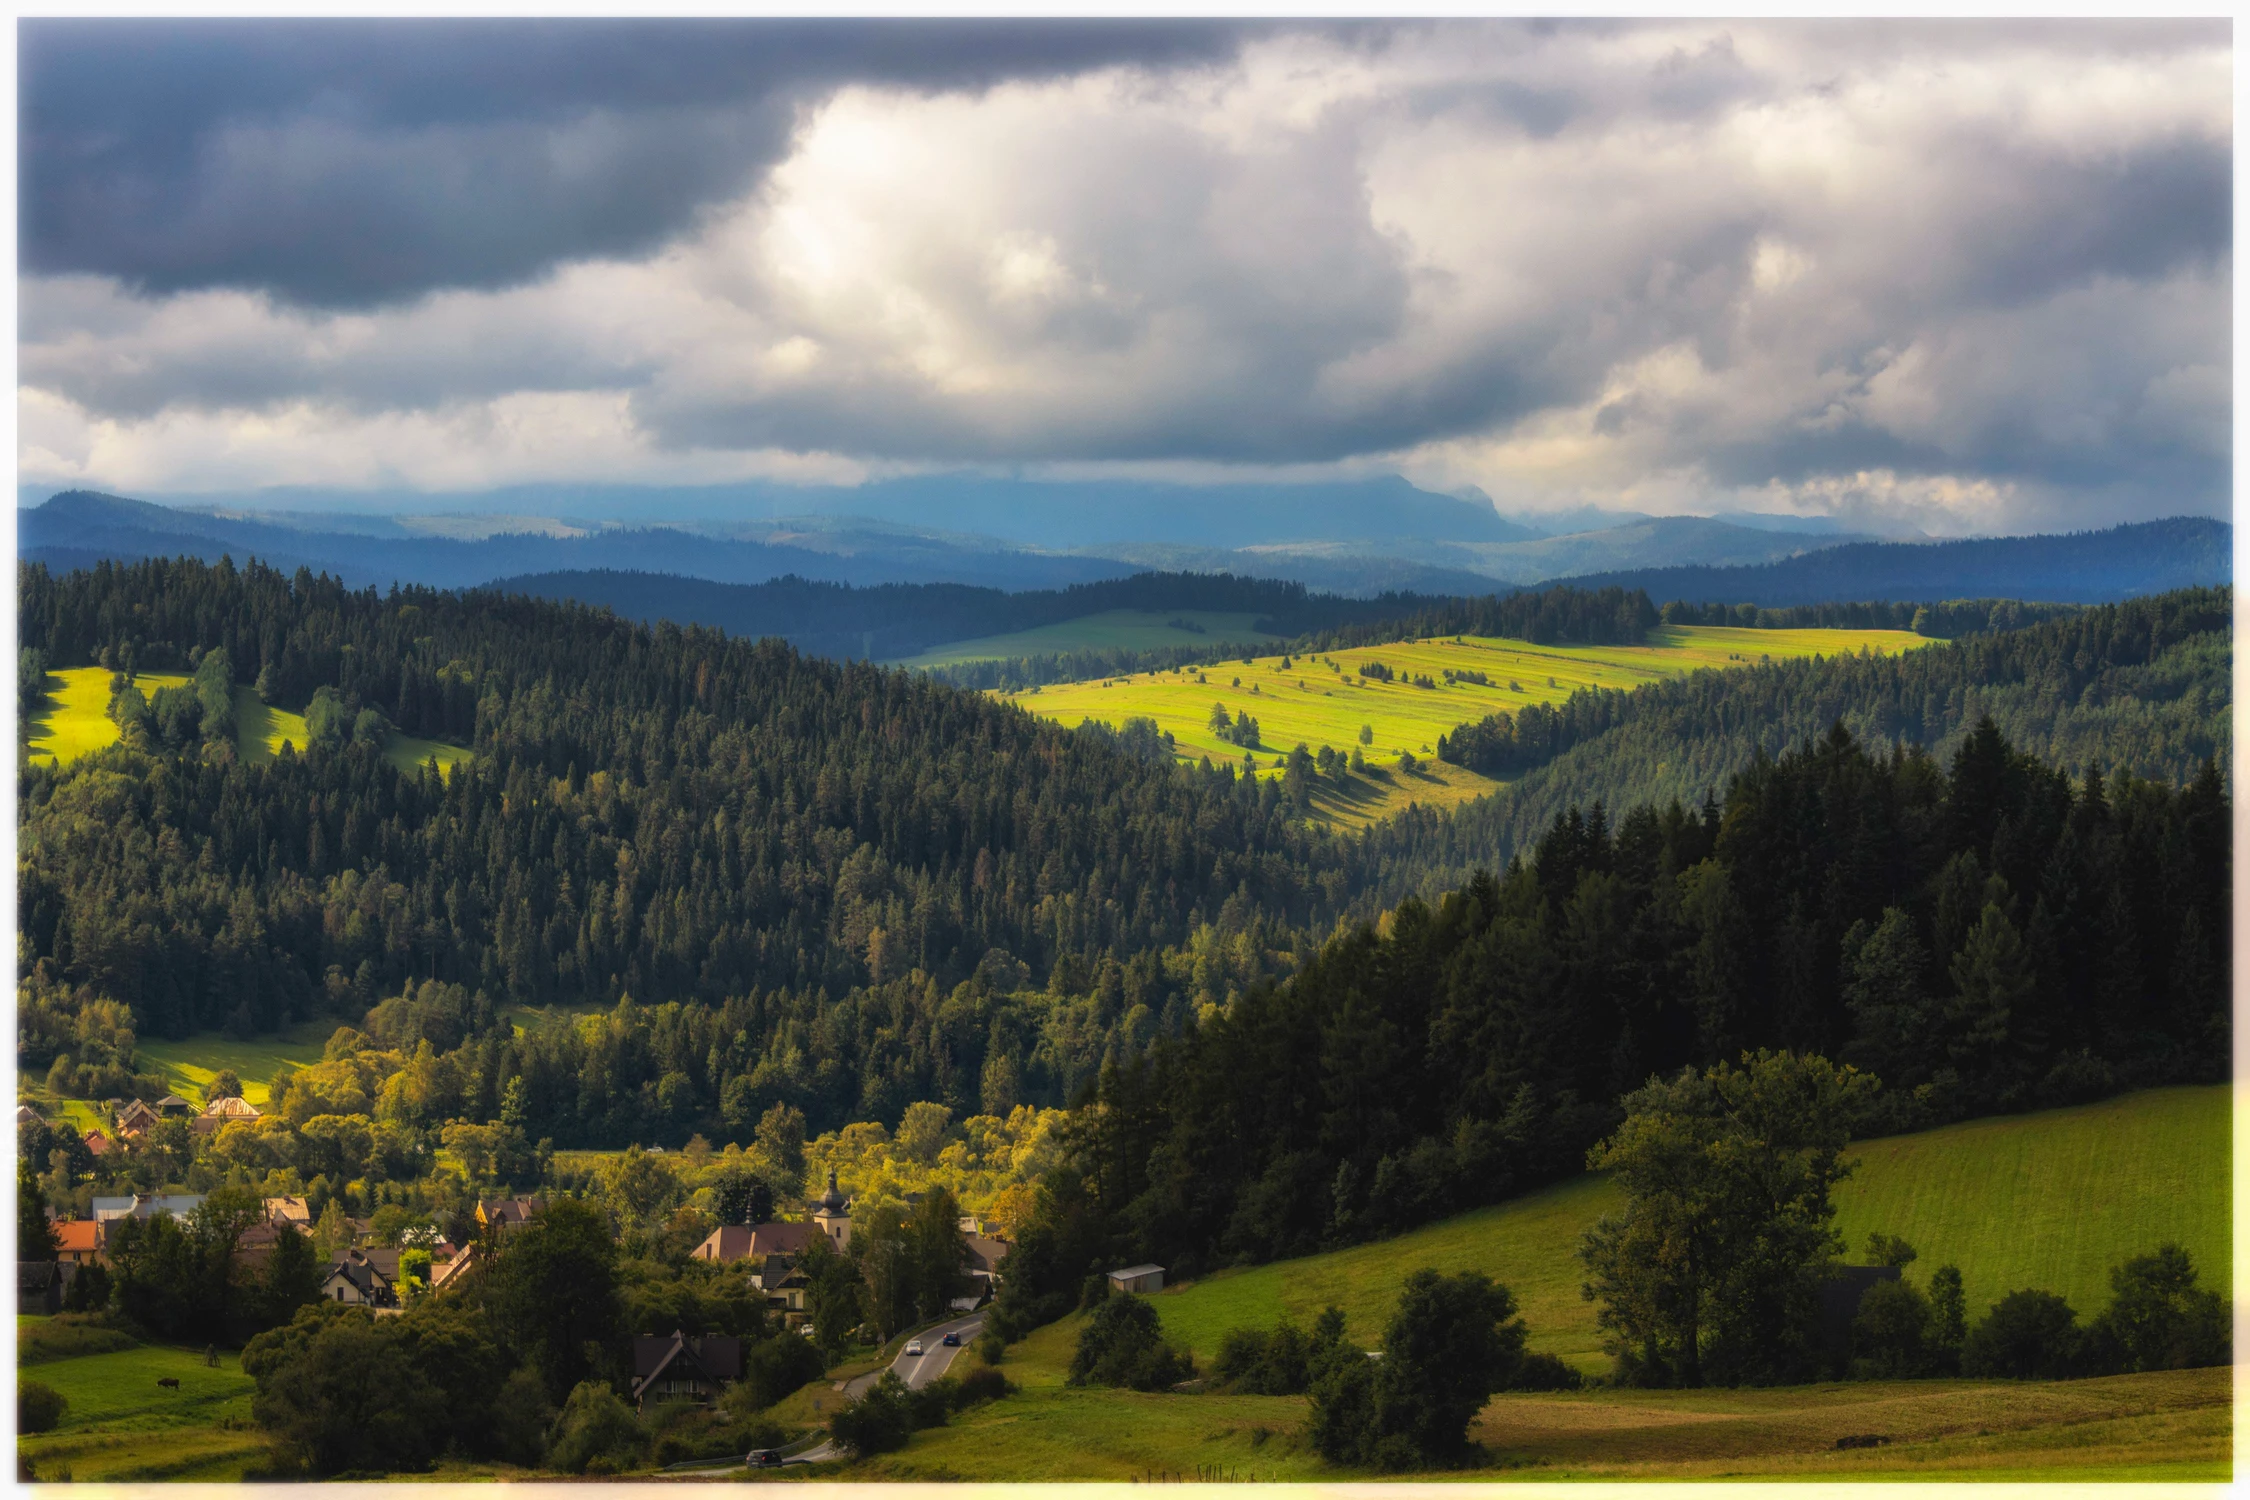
{"points": [[1971, 273], [348, 163]]}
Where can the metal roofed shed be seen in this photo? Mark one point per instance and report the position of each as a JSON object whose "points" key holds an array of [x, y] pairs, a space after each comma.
{"points": [[1138, 1279]]}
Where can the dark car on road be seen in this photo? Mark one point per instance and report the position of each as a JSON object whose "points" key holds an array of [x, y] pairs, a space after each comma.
{"points": [[763, 1458], [952, 1341]]}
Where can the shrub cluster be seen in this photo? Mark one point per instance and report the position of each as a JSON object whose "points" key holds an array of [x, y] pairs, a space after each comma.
{"points": [[890, 1412], [1123, 1344], [1453, 1342], [2158, 1319]]}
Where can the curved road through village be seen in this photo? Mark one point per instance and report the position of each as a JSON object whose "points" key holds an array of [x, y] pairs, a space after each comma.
{"points": [[916, 1370]]}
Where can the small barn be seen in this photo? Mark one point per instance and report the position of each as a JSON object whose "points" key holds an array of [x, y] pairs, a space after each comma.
{"points": [[1138, 1279]]}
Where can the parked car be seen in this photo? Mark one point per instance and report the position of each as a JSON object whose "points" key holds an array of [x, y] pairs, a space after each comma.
{"points": [[763, 1458], [914, 1346], [952, 1341]]}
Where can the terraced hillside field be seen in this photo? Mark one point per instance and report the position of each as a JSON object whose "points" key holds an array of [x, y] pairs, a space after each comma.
{"points": [[1326, 699], [2048, 1201], [74, 721]]}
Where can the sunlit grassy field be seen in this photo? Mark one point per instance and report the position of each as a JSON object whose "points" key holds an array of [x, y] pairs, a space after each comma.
{"points": [[75, 721], [1114, 629], [2176, 1425], [2049, 1200], [192, 1062], [122, 1426], [1324, 700]]}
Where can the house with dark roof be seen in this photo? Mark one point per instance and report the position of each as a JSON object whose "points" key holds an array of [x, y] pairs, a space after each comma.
{"points": [[985, 1253], [173, 1107], [40, 1285], [134, 1116], [366, 1278], [683, 1367], [730, 1243], [504, 1214]]}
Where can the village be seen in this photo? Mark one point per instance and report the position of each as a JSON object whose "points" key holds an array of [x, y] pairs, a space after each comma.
{"points": [[387, 1264]]}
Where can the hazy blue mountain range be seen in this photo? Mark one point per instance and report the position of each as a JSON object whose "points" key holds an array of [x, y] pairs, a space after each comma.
{"points": [[77, 527], [1352, 539], [2082, 567], [1650, 541], [757, 574]]}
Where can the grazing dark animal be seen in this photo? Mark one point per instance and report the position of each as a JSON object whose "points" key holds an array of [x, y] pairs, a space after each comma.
{"points": [[170, 1382]]}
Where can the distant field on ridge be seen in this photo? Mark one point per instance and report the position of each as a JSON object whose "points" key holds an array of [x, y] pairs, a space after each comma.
{"points": [[1323, 699]]}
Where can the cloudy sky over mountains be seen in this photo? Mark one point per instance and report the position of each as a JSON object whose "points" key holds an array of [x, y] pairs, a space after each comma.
{"points": [[1962, 277]]}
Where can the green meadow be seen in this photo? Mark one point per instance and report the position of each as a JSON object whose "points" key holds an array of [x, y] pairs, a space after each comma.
{"points": [[1324, 700], [2049, 1201], [75, 721], [121, 1426], [189, 1064], [1114, 629], [2172, 1426]]}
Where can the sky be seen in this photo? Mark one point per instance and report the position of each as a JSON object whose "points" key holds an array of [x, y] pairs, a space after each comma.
{"points": [[1952, 277]]}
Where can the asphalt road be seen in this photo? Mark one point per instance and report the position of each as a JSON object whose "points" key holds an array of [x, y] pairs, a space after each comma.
{"points": [[916, 1370]]}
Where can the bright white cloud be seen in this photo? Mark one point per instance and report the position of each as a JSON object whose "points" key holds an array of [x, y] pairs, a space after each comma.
{"points": [[1955, 275]]}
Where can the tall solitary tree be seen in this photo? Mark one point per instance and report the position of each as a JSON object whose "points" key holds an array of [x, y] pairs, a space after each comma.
{"points": [[1712, 1269]]}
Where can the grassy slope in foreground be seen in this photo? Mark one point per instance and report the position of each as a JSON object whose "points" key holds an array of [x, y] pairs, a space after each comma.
{"points": [[122, 1426], [2049, 1200], [2176, 1425], [75, 722], [1111, 630], [1323, 699]]}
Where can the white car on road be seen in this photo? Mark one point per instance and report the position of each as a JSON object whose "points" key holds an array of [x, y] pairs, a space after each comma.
{"points": [[914, 1346]]}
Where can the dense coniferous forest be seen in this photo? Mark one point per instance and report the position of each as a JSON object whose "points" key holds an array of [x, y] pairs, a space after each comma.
{"points": [[812, 857], [1985, 935], [789, 881], [1948, 619], [887, 621], [2144, 686]]}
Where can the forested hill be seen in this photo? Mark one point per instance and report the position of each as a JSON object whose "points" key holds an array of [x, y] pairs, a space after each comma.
{"points": [[2144, 687], [1981, 934], [887, 621], [663, 814], [825, 885], [2083, 567]]}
